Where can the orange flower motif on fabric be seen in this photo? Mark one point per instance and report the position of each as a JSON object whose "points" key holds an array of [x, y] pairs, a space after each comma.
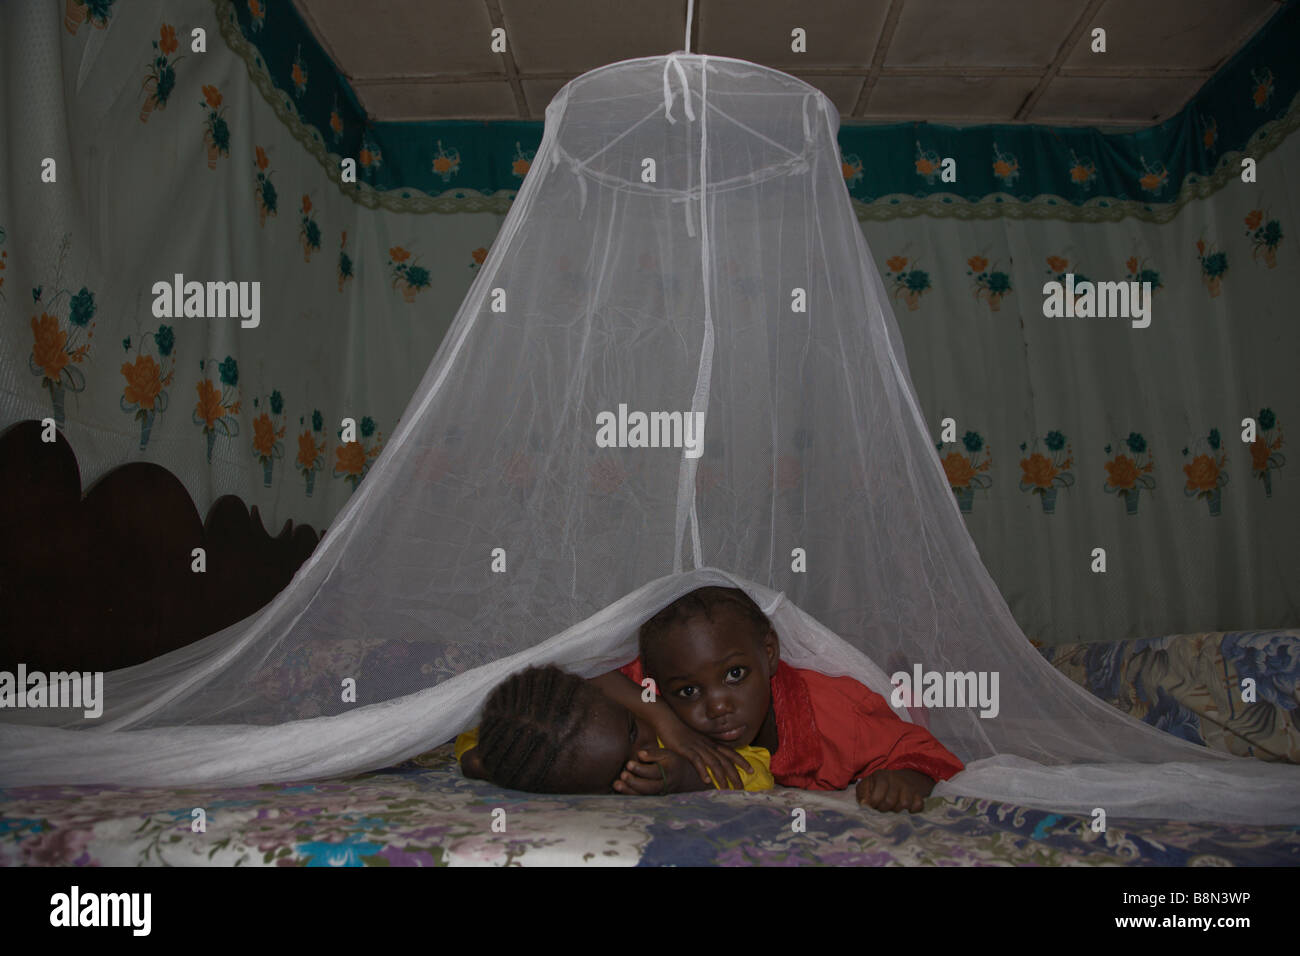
{"points": [[1254, 219], [1080, 174], [1152, 181], [1132, 264], [209, 407], [1260, 96], [307, 450], [433, 465], [336, 122], [299, 77], [50, 350], [212, 95], [958, 469], [441, 164], [896, 263], [262, 161], [1200, 246], [707, 478], [1003, 169], [977, 263], [520, 167], [351, 458], [924, 166], [264, 435], [1259, 454], [306, 204], [480, 255], [255, 8], [788, 473], [1122, 472], [143, 381], [398, 254], [1038, 470], [1057, 264], [606, 476], [167, 44], [1202, 473], [519, 471]]}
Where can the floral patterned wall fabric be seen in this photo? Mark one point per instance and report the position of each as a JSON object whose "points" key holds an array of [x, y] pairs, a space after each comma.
{"points": [[1073, 434], [171, 166]]}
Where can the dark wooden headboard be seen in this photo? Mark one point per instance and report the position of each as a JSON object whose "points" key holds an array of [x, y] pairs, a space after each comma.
{"points": [[104, 580]]}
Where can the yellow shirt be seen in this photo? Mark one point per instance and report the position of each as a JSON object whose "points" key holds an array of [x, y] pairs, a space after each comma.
{"points": [[759, 776]]}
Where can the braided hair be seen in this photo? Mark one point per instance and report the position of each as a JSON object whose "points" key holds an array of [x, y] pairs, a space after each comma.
{"points": [[707, 603], [529, 720]]}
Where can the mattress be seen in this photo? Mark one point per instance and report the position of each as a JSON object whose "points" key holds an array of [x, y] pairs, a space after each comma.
{"points": [[425, 813]]}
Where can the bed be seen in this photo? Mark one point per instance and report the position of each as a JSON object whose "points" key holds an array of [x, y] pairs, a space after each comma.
{"points": [[425, 813]]}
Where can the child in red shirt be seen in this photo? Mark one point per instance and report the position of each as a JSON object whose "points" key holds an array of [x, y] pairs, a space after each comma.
{"points": [[715, 661]]}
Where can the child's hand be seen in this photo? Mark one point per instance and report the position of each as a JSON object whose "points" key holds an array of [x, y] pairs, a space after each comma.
{"points": [[472, 766], [703, 753], [658, 771], [893, 790]]}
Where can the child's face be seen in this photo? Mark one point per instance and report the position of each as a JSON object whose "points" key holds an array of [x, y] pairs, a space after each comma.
{"points": [[598, 754], [716, 676]]}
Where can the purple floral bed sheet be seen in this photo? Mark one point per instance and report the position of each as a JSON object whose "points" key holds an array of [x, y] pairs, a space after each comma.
{"points": [[1235, 691], [425, 813]]}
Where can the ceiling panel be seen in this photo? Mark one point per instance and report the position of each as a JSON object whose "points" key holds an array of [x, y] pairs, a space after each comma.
{"points": [[1095, 100], [835, 35], [1148, 35], [950, 61], [974, 99], [941, 33]]}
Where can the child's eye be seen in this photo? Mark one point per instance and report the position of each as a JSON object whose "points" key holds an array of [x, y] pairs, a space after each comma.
{"points": [[686, 693], [737, 673]]}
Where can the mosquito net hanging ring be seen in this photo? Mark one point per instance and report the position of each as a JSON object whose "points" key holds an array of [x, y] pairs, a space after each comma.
{"points": [[668, 94], [576, 168]]}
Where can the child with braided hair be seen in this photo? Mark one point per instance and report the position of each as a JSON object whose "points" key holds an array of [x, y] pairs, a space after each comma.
{"points": [[715, 659], [547, 731]]}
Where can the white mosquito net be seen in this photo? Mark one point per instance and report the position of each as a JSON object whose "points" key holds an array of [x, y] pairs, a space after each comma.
{"points": [[684, 243]]}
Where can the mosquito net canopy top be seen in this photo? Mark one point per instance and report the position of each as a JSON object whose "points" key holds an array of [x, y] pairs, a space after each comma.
{"points": [[677, 367]]}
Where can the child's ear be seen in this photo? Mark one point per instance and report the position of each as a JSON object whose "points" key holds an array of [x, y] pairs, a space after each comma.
{"points": [[772, 649]]}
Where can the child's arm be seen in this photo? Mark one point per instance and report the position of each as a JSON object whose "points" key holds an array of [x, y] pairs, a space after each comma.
{"points": [[472, 765], [466, 751], [659, 772], [893, 790], [701, 752], [645, 777], [885, 741], [894, 763], [909, 760]]}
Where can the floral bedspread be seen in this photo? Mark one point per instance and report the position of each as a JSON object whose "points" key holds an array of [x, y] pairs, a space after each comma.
{"points": [[425, 813], [1236, 691]]}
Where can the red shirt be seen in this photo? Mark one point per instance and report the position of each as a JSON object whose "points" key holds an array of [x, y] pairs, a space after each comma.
{"points": [[833, 731]]}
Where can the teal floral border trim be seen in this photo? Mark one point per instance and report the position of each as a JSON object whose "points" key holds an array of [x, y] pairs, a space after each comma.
{"points": [[1102, 209], [1076, 174]]}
